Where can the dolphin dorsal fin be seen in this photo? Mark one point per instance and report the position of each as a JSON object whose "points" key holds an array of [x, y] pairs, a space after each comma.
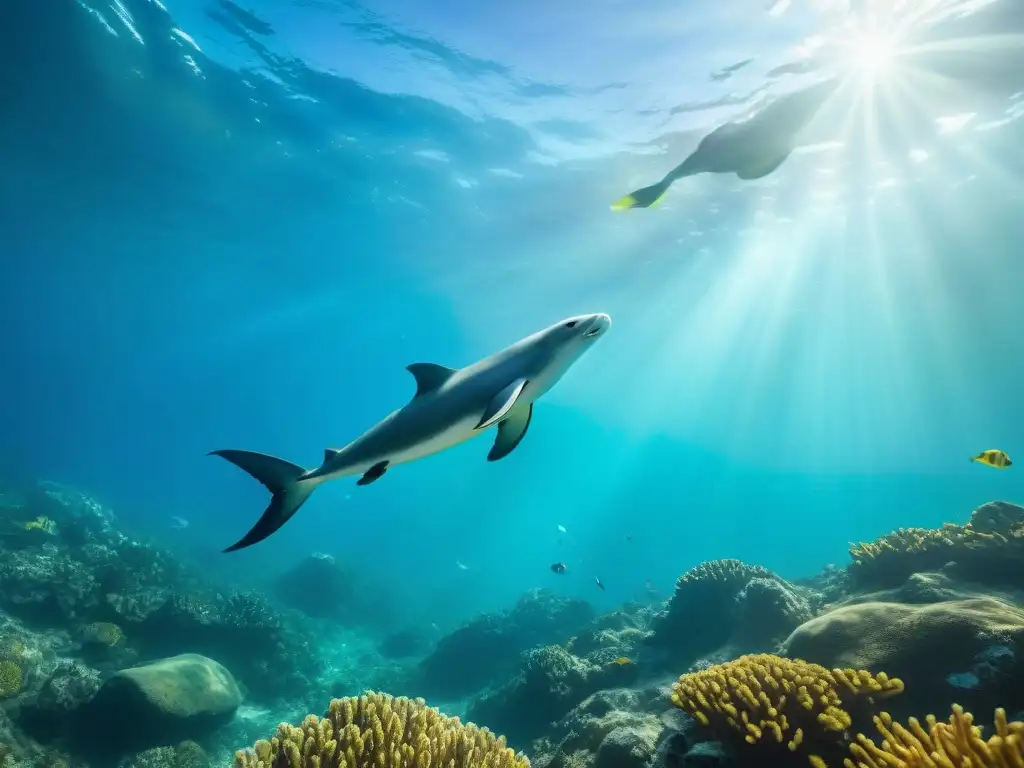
{"points": [[330, 453], [429, 376]]}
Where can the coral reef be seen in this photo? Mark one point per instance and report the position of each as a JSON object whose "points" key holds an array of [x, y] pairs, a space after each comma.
{"points": [[487, 649], [96, 628], [957, 742], [764, 609], [988, 549], [781, 706], [927, 646], [127, 599], [550, 683], [381, 731], [188, 754], [611, 727], [553, 679]]}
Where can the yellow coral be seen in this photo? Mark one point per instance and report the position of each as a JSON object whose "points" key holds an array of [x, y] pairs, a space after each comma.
{"points": [[103, 632], [786, 702], [380, 731], [10, 679], [956, 744], [995, 530]]}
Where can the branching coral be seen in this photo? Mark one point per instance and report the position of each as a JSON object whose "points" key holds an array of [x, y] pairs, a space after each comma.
{"points": [[11, 678], [955, 744], [991, 542], [771, 702], [379, 731]]}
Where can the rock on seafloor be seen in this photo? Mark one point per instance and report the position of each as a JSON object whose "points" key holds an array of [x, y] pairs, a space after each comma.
{"points": [[182, 697]]}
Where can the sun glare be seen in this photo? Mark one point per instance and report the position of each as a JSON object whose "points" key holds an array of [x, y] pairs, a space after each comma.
{"points": [[871, 54]]}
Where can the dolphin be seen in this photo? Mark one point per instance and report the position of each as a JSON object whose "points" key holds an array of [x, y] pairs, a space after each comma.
{"points": [[450, 407], [751, 149]]}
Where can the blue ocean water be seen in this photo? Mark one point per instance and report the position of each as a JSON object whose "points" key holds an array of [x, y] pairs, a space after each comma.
{"points": [[233, 225]]}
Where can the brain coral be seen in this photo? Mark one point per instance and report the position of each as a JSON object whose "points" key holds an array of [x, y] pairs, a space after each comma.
{"points": [[380, 731], [781, 706], [922, 644], [705, 591]]}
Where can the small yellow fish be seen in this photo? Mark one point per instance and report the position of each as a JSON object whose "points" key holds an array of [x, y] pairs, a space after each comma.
{"points": [[622, 661], [44, 524], [993, 458]]}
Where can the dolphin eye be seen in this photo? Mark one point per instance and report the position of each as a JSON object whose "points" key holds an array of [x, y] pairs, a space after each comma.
{"points": [[571, 324]]}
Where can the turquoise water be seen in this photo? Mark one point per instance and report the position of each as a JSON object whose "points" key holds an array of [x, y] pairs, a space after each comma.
{"points": [[232, 226]]}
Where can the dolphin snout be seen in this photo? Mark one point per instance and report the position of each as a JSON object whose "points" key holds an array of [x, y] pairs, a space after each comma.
{"points": [[598, 324]]}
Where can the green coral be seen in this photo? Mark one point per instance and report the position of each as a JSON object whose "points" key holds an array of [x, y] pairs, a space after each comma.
{"points": [[11, 679], [102, 633]]}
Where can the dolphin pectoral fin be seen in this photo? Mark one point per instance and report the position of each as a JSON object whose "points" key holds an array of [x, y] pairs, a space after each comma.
{"points": [[429, 376], [511, 432], [501, 404], [373, 473]]}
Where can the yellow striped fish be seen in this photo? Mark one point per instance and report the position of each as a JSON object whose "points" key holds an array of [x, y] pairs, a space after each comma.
{"points": [[993, 458]]}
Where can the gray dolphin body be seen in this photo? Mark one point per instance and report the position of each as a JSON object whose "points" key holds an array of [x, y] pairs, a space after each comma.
{"points": [[450, 407]]}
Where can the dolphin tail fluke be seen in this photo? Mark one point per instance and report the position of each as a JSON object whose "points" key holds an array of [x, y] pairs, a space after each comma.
{"points": [[647, 197], [281, 479]]}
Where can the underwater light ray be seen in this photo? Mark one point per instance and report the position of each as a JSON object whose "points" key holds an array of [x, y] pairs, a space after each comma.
{"points": [[785, 299]]}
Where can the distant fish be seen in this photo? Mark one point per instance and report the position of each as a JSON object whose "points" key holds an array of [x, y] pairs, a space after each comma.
{"points": [[561, 529], [558, 567], [629, 538], [622, 661], [993, 458], [599, 584], [461, 566], [179, 523]]}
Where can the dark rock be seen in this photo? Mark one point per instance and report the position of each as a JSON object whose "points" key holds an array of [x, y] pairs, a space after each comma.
{"points": [[707, 754]]}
